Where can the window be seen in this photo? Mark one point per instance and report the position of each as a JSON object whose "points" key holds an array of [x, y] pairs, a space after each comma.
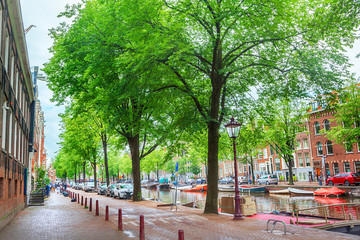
{"points": [[300, 160], [327, 125], [357, 166], [265, 153], [244, 166], [9, 188], [221, 172], [327, 169], [298, 144], [1, 186], [329, 148], [348, 147], [10, 132], [271, 150], [336, 168], [225, 167], [346, 167], [7, 50], [317, 128], [3, 133], [305, 143], [277, 164], [307, 159], [230, 171], [15, 188], [319, 149], [239, 167]]}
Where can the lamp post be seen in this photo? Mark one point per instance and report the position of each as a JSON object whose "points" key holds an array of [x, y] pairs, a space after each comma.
{"points": [[233, 129]]}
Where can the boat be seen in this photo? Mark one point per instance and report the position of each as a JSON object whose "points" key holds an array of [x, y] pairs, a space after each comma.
{"points": [[300, 192], [226, 189], [198, 188], [251, 189], [163, 186], [334, 191], [151, 186], [281, 191]]}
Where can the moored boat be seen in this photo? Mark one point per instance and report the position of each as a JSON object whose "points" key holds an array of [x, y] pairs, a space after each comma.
{"points": [[281, 191], [163, 186], [198, 188], [251, 189], [334, 191], [300, 192]]}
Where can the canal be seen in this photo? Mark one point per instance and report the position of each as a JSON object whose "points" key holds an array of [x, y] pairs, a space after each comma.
{"points": [[264, 201]]}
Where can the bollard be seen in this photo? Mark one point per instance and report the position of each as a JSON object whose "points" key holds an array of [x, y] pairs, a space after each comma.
{"points": [[82, 200], [78, 198], [75, 198], [97, 207], [181, 234], [85, 202], [142, 230], [107, 213], [120, 228], [90, 205]]}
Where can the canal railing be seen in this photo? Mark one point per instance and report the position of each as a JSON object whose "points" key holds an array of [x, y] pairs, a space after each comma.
{"points": [[327, 215]]}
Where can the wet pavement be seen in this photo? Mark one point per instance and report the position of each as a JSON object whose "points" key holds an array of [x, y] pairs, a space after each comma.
{"points": [[62, 219]]}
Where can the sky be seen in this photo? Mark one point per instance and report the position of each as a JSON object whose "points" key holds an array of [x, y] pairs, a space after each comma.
{"points": [[43, 14]]}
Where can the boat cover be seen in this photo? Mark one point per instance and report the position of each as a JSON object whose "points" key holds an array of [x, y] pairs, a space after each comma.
{"points": [[329, 191]]}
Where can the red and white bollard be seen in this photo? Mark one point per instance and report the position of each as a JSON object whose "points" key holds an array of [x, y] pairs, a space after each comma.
{"points": [[181, 234], [107, 213], [97, 208], [142, 226], [120, 227], [90, 205]]}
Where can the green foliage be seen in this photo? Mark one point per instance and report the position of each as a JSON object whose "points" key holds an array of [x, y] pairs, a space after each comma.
{"points": [[347, 114]]}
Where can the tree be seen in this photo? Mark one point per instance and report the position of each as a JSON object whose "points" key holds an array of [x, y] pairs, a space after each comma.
{"points": [[346, 105], [286, 121], [251, 140]]}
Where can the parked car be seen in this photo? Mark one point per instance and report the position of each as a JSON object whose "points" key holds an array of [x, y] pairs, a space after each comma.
{"points": [[267, 179], [226, 180], [124, 191], [243, 180], [110, 190], [102, 189], [346, 178], [89, 186], [80, 186], [200, 181], [76, 186]]}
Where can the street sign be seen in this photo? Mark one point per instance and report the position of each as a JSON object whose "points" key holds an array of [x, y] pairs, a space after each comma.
{"points": [[177, 167]]}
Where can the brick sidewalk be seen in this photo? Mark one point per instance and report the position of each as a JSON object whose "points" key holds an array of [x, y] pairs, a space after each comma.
{"points": [[61, 219]]}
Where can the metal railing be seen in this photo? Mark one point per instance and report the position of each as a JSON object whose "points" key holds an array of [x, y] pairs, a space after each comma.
{"points": [[325, 207], [273, 225]]}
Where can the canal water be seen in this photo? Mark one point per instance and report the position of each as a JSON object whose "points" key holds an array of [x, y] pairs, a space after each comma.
{"points": [[264, 201]]}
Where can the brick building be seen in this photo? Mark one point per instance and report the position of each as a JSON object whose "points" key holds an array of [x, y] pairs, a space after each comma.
{"points": [[16, 100], [336, 157]]}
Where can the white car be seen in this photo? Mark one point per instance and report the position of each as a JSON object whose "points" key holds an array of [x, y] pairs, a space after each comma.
{"points": [[124, 191]]}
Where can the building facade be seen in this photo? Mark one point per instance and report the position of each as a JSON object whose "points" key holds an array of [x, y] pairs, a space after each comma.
{"points": [[327, 155], [16, 99]]}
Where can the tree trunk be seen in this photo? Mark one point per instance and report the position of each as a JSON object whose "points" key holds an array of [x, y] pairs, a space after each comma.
{"points": [[135, 158], [291, 182], [104, 142], [79, 176], [95, 180], [157, 171], [84, 163], [211, 205], [252, 170]]}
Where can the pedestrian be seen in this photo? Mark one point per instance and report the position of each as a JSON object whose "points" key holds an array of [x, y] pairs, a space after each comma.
{"points": [[320, 180]]}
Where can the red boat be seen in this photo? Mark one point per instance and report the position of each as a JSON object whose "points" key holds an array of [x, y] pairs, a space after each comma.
{"points": [[334, 191], [198, 188]]}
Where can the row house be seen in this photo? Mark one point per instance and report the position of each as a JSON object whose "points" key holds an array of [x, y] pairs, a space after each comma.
{"points": [[17, 102], [336, 157]]}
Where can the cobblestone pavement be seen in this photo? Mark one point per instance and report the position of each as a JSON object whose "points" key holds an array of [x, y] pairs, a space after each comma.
{"points": [[61, 219]]}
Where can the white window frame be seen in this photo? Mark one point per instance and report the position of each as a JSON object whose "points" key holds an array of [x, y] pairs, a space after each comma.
{"points": [[305, 146], [327, 149], [5, 108], [316, 132]]}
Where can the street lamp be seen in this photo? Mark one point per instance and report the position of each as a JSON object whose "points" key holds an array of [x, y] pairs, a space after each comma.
{"points": [[233, 129]]}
